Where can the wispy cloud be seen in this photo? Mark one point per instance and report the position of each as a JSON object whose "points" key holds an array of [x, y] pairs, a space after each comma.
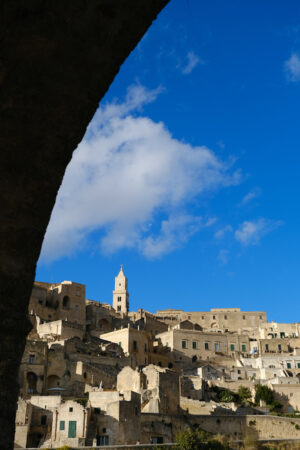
{"points": [[192, 61], [254, 193], [126, 175], [292, 67], [250, 233], [221, 233], [223, 257]]}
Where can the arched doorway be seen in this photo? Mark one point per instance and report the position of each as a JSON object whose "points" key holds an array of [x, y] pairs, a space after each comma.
{"points": [[53, 381], [31, 382]]}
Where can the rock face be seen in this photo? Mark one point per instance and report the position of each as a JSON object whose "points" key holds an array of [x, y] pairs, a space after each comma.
{"points": [[57, 60]]}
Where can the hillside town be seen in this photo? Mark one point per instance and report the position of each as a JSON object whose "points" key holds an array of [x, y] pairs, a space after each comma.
{"points": [[95, 374]]}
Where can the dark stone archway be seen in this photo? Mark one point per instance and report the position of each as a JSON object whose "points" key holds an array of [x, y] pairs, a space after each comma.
{"points": [[57, 60]]}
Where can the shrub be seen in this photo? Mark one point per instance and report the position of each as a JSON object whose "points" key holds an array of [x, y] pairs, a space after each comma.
{"points": [[226, 396], [244, 393], [190, 439], [263, 393], [197, 439]]}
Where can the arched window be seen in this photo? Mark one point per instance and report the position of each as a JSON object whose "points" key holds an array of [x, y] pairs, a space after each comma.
{"points": [[119, 299]]}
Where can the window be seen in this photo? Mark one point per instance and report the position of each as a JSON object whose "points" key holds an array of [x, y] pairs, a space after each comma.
{"points": [[260, 317], [157, 440], [289, 365], [225, 317], [244, 348], [232, 347], [183, 344], [167, 344], [119, 307], [291, 394], [279, 347], [72, 429], [102, 440], [206, 346], [214, 317], [217, 346], [70, 409], [31, 359], [267, 347], [282, 335], [298, 365], [43, 420], [76, 307], [84, 375], [239, 372], [96, 410], [119, 299], [194, 344], [62, 425], [202, 317], [189, 317], [77, 292], [134, 345]]}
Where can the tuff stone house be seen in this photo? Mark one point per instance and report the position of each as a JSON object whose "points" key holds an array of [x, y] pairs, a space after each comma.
{"points": [[95, 374]]}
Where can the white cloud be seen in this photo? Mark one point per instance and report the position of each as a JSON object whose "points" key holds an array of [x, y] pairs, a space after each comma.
{"points": [[192, 61], [221, 233], [223, 257], [292, 67], [127, 172], [250, 233], [250, 196]]}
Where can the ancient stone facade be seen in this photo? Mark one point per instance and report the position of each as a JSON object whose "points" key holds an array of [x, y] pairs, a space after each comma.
{"points": [[96, 374]]}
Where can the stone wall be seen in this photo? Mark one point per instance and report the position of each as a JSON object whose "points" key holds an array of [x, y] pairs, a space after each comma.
{"points": [[259, 426]]}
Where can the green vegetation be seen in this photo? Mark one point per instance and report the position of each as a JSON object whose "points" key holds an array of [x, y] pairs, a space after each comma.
{"points": [[227, 396], [82, 401], [266, 394], [244, 394], [197, 439]]}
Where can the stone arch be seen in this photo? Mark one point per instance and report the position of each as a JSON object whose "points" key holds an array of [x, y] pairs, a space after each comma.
{"points": [[103, 324], [53, 381], [213, 325], [71, 46], [31, 382], [194, 358]]}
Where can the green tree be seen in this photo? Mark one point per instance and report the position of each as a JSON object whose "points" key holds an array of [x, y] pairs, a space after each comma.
{"points": [[263, 393]]}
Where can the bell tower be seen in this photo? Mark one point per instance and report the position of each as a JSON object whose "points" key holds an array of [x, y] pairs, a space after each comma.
{"points": [[120, 294]]}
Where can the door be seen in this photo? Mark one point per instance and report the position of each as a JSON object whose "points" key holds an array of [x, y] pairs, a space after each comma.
{"points": [[72, 429]]}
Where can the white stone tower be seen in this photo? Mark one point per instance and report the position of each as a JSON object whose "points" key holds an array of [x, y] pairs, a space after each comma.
{"points": [[120, 294]]}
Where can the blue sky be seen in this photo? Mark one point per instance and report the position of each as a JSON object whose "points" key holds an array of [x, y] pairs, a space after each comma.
{"points": [[189, 172]]}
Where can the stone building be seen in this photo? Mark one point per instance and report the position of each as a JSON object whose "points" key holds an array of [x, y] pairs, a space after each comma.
{"points": [[232, 319], [136, 343], [96, 374], [197, 345]]}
